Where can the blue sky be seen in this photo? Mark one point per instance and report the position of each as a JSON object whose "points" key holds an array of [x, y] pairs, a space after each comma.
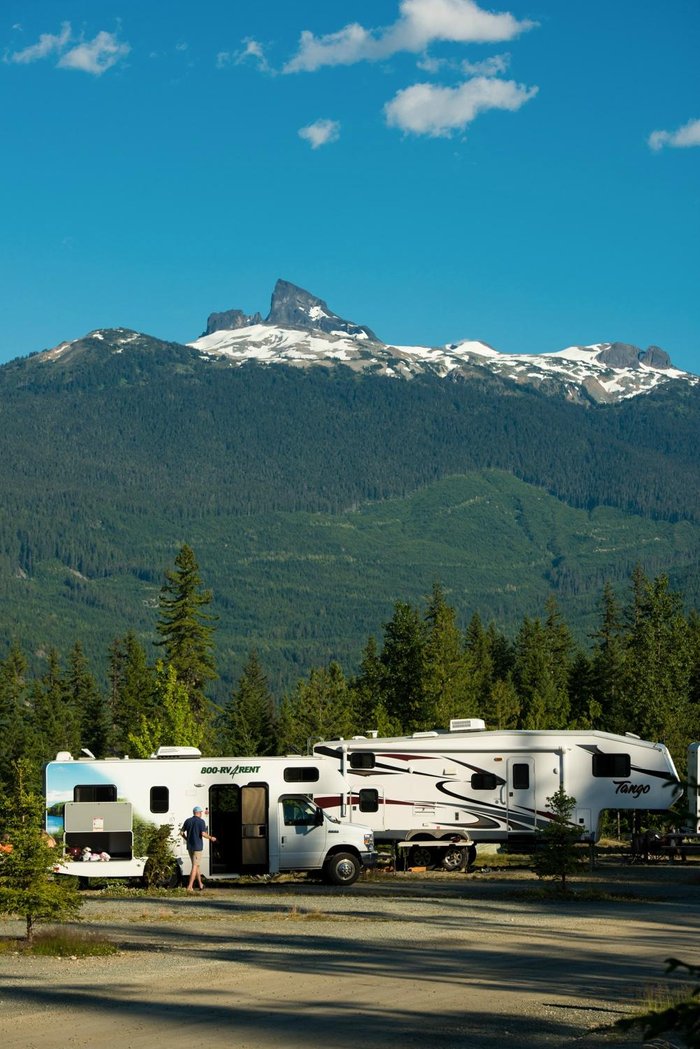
{"points": [[525, 173]]}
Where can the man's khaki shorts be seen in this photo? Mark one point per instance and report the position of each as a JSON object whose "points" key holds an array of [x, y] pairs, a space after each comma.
{"points": [[196, 858]]}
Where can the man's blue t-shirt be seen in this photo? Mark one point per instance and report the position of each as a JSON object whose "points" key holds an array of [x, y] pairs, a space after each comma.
{"points": [[193, 827]]}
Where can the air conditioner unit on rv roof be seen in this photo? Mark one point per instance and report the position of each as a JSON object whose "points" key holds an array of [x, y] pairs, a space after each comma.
{"points": [[467, 724]]}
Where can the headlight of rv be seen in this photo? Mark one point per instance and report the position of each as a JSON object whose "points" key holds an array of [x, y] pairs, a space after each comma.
{"points": [[369, 841]]}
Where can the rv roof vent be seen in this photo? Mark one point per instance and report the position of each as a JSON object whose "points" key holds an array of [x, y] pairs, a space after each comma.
{"points": [[177, 752], [467, 724], [64, 755], [632, 735], [423, 735], [359, 737]]}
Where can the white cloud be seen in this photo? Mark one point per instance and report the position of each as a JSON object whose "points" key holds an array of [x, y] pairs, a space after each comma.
{"points": [[420, 23], [47, 44], [493, 66], [95, 56], [425, 109], [688, 135], [253, 50], [320, 133]]}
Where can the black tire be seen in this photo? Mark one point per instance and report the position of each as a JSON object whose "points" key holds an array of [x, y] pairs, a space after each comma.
{"points": [[453, 857], [343, 868], [421, 857], [471, 855]]}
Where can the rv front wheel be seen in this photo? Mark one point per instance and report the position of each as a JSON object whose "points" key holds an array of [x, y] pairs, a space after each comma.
{"points": [[342, 869]]}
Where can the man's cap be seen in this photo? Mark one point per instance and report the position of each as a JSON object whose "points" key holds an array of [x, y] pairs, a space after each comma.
{"points": [[197, 808]]}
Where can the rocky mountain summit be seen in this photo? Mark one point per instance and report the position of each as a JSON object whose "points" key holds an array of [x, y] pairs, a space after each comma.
{"points": [[301, 331]]}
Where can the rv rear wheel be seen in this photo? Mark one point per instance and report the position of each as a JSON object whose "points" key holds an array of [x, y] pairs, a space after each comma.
{"points": [[341, 869], [453, 857], [422, 857]]}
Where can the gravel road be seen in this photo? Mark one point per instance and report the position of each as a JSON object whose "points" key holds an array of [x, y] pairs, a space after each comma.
{"points": [[457, 961]]}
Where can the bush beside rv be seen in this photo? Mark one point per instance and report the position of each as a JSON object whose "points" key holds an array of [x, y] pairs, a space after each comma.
{"points": [[260, 810]]}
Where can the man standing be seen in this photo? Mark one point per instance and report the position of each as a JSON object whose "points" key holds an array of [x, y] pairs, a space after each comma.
{"points": [[194, 830]]}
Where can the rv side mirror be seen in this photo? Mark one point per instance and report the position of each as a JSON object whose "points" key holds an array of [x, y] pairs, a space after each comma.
{"points": [[319, 817]]}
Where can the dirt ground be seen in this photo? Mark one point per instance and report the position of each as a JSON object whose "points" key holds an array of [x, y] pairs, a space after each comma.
{"points": [[460, 961]]}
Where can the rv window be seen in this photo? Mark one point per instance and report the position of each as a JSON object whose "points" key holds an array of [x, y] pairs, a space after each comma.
{"points": [[521, 776], [362, 759], [299, 813], [300, 774], [485, 781], [95, 792], [611, 764], [160, 799], [369, 800]]}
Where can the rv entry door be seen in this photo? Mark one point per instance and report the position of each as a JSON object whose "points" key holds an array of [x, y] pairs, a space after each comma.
{"points": [[520, 795]]}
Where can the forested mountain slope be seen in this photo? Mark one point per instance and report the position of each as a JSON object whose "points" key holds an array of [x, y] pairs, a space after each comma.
{"points": [[317, 497]]}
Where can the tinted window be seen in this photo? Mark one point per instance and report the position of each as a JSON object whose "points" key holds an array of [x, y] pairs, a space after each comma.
{"points": [[160, 799], [300, 774], [362, 759], [611, 764], [485, 781], [369, 800], [521, 776], [95, 792]]}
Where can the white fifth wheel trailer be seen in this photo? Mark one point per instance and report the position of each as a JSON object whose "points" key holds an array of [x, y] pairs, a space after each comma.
{"points": [[260, 810], [468, 785]]}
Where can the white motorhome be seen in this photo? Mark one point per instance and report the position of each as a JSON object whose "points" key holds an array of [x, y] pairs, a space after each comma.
{"points": [[260, 810], [468, 785]]}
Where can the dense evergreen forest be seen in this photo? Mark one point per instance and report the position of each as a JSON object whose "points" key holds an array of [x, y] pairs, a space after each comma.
{"points": [[315, 497], [640, 673]]}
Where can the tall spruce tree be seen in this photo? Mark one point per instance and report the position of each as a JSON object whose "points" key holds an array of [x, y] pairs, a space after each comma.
{"points": [[187, 630], [15, 733], [607, 671], [318, 708], [449, 688], [403, 659], [132, 686], [86, 699], [247, 725], [56, 722]]}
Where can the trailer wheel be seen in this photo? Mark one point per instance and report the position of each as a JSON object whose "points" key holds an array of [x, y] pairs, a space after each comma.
{"points": [[421, 857], [453, 857], [343, 868]]}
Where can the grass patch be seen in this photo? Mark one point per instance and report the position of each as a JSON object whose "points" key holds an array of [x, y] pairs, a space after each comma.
{"points": [[61, 943], [296, 914]]}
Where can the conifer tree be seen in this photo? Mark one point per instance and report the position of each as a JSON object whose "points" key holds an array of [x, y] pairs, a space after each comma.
{"points": [[480, 662], [248, 723], [132, 683], [608, 663], [170, 722], [26, 885], [656, 703], [558, 854], [448, 687], [15, 734], [186, 630], [55, 721], [85, 698], [502, 708], [403, 659], [318, 708], [368, 690]]}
